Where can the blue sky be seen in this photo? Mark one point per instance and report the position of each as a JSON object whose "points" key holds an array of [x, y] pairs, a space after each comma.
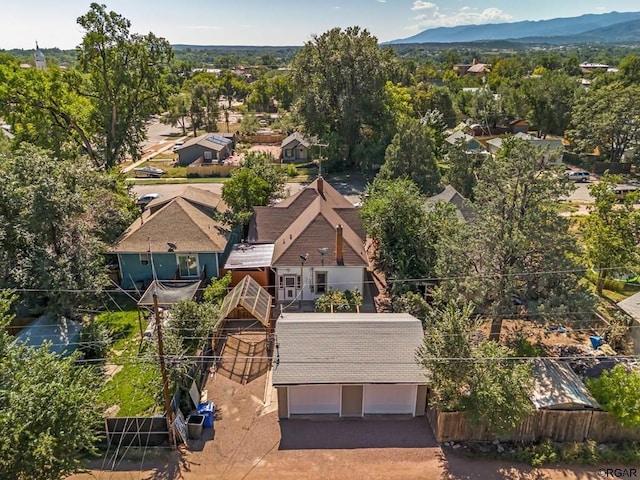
{"points": [[275, 22]]}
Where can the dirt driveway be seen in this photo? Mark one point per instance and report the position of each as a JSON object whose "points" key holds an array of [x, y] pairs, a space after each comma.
{"points": [[248, 442]]}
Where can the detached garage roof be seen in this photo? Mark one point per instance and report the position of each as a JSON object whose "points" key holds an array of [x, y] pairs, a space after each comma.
{"points": [[325, 348]]}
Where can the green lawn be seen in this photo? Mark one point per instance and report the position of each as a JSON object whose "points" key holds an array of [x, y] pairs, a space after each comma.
{"points": [[135, 387]]}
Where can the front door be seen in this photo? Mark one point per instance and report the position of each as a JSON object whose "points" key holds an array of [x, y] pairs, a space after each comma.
{"points": [[289, 287]]}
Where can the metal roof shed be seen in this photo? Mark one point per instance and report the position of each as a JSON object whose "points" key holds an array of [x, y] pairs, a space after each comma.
{"points": [[62, 333], [557, 387]]}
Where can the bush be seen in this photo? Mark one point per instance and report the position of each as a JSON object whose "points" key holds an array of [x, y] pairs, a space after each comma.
{"points": [[291, 170], [95, 340], [338, 301], [618, 392]]}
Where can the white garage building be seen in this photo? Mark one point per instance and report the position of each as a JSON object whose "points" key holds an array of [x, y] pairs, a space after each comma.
{"points": [[348, 364]]}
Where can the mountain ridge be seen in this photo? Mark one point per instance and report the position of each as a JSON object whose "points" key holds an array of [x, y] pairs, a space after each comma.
{"points": [[566, 27]]}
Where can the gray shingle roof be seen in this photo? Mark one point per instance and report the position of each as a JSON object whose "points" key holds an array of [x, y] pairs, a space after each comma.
{"points": [[323, 348]]}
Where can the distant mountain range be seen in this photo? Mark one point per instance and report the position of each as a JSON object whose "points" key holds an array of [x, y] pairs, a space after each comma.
{"points": [[614, 27]]}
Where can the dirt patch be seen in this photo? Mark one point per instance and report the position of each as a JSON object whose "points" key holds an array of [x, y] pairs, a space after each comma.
{"points": [[110, 371], [551, 338]]}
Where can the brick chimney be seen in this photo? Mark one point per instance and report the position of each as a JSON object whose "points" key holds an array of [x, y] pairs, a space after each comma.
{"points": [[320, 185], [339, 252]]}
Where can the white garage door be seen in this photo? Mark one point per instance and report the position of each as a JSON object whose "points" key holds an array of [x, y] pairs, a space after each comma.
{"points": [[383, 399], [310, 399]]}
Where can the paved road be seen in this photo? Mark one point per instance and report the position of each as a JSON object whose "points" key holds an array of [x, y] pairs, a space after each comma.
{"points": [[351, 192]]}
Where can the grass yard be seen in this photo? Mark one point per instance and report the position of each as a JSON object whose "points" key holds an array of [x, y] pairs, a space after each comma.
{"points": [[133, 389]]}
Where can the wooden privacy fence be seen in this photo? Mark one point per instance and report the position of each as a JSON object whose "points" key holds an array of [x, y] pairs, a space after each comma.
{"points": [[557, 425], [275, 138]]}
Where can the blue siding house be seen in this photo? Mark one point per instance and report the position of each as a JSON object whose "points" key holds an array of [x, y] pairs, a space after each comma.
{"points": [[178, 237]]}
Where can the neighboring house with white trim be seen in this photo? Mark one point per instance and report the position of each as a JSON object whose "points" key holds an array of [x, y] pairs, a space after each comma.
{"points": [[295, 148], [317, 242], [179, 237]]}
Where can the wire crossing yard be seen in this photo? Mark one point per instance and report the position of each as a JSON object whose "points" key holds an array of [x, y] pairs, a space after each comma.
{"points": [[135, 386]]}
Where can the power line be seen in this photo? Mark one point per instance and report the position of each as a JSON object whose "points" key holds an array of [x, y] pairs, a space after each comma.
{"points": [[365, 282]]}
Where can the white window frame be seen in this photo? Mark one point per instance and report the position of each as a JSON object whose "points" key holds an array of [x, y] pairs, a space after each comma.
{"points": [[195, 256], [208, 155], [144, 258]]}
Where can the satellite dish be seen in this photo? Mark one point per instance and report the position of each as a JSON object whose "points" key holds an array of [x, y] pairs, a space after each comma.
{"points": [[172, 246], [323, 251]]}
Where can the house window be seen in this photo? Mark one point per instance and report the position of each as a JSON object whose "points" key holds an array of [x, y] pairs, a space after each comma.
{"points": [[299, 282], [208, 155], [321, 283], [188, 265], [281, 281], [144, 258], [288, 153]]}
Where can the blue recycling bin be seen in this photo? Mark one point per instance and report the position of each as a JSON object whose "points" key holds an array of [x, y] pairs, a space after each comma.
{"points": [[596, 341], [208, 409]]}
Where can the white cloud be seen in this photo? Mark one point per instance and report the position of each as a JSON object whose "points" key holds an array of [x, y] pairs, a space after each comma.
{"points": [[420, 5], [382, 1], [431, 16]]}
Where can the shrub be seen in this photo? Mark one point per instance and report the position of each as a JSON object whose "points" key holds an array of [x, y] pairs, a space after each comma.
{"points": [[618, 392], [339, 301], [292, 171], [95, 340]]}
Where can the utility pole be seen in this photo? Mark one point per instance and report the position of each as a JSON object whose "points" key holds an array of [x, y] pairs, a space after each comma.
{"points": [[163, 371]]}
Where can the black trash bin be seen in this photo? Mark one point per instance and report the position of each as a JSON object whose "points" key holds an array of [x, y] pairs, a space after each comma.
{"points": [[194, 426]]}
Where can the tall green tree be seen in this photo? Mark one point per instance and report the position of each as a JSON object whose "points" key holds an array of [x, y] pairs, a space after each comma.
{"points": [[547, 101], [611, 231], [125, 83], [45, 109], [481, 381], [257, 183], [340, 78], [49, 409], [412, 154], [462, 169], [516, 256], [405, 232], [56, 216], [607, 118]]}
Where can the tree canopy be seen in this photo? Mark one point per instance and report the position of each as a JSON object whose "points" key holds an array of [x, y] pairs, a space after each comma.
{"points": [[340, 77], [516, 256], [606, 118], [49, 409], [481, 381], [611, 231], [257, 182], [56, 217], [412, 154]]}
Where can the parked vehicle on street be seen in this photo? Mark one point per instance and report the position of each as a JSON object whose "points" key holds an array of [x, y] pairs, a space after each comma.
{"points": [[581, 176], [146, 172], [147, 198]]}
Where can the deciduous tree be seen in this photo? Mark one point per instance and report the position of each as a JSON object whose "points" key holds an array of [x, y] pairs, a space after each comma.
{"points": [[340, 77], [49, 409], [56, 216], [125, 82], [611, 231], [412, 154], [481, 381], [607, 118]]}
